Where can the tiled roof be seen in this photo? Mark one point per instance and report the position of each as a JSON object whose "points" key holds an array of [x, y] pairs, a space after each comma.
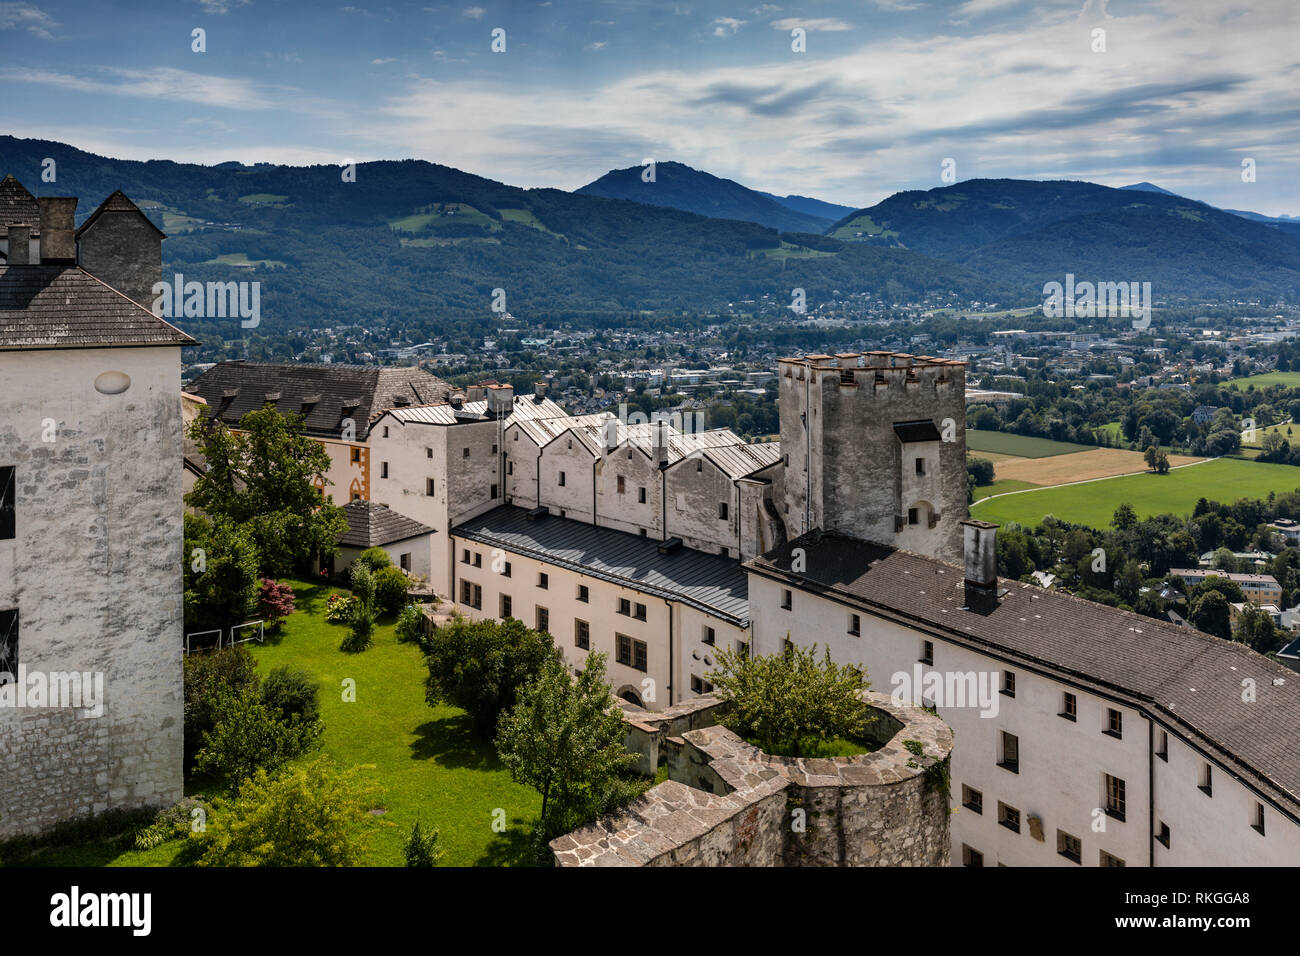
{"points": [[371, 524], [118, 202], [1182, 676], [324, 394], [52, 307], [17, 205], [709, 582]]}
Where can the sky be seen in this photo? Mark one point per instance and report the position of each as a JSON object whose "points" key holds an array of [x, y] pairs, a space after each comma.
{"points": [[1174, 92]]}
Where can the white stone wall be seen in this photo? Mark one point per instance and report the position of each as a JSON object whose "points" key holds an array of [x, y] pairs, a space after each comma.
{"points": [[95, 572], [696, 487], [522, 456], [407, 449], [1062, 762], [625, 511], [566, 455]]}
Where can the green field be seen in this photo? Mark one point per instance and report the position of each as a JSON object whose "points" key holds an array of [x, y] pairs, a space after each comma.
{"points": [[1093, 503], [1000, 487], [1288, 379], [1022, 446], [789, 250], [450, 213], [865, 225], [241, 259], [264, 199]]}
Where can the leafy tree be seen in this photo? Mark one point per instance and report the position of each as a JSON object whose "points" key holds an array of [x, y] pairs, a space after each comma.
{"points": [[421, 847], [564, 738], [361, 613], [292, 691], [1210, 613], [479, 666], [1125, 517], [981, 469], [210, 678], [789, 701], [311, 815], [220, 574], [1256, 629], [264, 478], [275, 602], [247, 736]]}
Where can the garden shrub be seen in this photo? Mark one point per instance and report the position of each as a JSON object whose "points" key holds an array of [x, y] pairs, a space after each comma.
{"points": [[248, 736], [274, 602], [292, 692], [210, 678], [422, 847], [375, 558], [410, 625], [391, 585]]}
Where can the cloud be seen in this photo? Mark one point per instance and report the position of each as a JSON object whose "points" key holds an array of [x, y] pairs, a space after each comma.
{"points": [[382, 60], [24, 16], [474, 13], [727, 26], [159, 83], [973, 8], [597, 45], [824, 25], [221, 7]]}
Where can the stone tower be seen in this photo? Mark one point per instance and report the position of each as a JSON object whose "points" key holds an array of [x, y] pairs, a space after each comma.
{"points": [[119, 245], [875, 447]]}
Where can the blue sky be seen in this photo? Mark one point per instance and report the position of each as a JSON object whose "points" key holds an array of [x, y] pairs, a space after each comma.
{"points": [[885, 91]]}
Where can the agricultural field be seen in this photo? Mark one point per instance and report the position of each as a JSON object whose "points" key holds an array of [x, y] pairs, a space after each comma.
{"points": [[1287, 379], [241, 259], [1094, 503], [1078, 466], [1021, 446]]}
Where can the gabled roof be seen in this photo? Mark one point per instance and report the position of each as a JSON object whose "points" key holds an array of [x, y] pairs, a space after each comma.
{"points": [[17, 205], [61, 307], [709, 582], [371, 524], [324, 394], [1184, 678], [443, 413], [117, 202]]}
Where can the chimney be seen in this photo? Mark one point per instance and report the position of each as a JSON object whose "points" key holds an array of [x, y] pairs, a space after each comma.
{"points": [[457, 400], [981, 553], [539, 391], [609, 434], [19, 244], [501, 400], [660, 442], [58, 241]]}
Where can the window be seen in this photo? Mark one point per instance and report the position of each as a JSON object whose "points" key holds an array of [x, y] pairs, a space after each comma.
{"points": [[583, 594], [722, 511], [725, 552], [478, 559], [561, 479], [1163, 835], [1114, 723], [1010, 759], [429, 487], [8, 501], [385, 431], [507, 606], [1162, 746], [494, 449], [1069, 846], [742, 648], [1116, 802], [1108, 860], [625, 607], [9, 644], [912, 516], [972, 799], [920, 466], [543, 580], [404, 561], [640, 495], [428, 453], [700, 686], [510, 467], [582, 635], [1009, 683], [1070, 707], [543, 619], [356, 455], [631, 652], [855, 625], [1207, 782], [464, 453], [927, 652], [699, 465], [621, 484], [640, 612], [493, 492], [710, 636], [471, 595], [787, 599], [1009, 817], [464, 555], [356, 496], [1258, 825], [971, 857]]}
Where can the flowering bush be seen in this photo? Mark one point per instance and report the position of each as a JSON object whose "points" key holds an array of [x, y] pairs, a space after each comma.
{"points": [[338, 608]]}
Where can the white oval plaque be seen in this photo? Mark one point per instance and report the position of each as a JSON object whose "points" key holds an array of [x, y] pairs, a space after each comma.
{"points": [[112, 383]]}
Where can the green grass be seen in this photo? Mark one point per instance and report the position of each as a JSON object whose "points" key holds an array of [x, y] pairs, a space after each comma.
{"points": [[241, 258], [444, 214], [525, 217], [788, 250], [1279, 429], [1002, 486], [264, 199], [430, 764], [1094, 503], [1288, 379], [813, 748], [1023, 446], [865, 225]]}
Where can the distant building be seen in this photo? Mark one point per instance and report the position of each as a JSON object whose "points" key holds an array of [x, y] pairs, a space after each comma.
{"points": [[1256, 588]]}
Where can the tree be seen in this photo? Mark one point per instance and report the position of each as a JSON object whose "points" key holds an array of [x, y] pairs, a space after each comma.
{"points": [[479, 666], [220, 574], [564, 738], [274, 602], [421, 847], [311, 815], [248, 735], [1211, 614], [391, 585], [1256, 629], [361, 613], [210, 678], [786, 703], [264, 478], [1125, 517]]}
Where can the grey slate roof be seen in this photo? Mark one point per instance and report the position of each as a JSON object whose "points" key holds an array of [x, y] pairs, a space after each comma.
{"points": [[17, 205], [1185, 678], [371, 524], [709, 582], [117, 202], [51, 307], [325, 394]]}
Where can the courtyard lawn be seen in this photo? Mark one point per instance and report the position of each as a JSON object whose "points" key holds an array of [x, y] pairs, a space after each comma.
{"points": [[1094, 503], [1022, 446], [430, 764]]}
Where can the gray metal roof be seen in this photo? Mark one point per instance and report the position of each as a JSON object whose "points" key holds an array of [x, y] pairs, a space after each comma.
{"points": [[709, 582]]}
